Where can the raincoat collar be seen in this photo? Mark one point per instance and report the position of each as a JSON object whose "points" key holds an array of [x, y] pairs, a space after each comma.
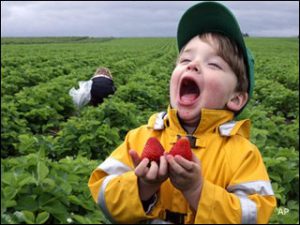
{"points": [[210, 120]]}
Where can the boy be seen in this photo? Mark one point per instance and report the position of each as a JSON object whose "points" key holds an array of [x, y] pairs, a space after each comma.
{"points": [[226, 181]]}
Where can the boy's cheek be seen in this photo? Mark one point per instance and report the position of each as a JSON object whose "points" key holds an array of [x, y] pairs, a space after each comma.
{"points": [[214, 84], [174, 82], [217, 89], [214, 100]]}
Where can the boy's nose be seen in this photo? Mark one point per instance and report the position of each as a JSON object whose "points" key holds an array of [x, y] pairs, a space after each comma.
{"points": [[193, 66]]}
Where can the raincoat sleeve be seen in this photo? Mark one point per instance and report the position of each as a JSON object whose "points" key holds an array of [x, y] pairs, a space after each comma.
{"points": [[248, 198], [114, 187]]}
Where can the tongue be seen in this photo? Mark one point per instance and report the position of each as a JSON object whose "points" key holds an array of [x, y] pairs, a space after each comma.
{"points": [[188, 98]]}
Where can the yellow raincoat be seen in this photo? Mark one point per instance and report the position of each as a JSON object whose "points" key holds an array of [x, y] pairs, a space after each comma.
{"points": [[236, 186]]}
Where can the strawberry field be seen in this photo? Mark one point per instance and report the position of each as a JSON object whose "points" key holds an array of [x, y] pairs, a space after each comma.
{"points": [[49, 147]]}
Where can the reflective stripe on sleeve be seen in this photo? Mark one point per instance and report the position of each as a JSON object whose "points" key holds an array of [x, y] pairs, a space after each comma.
{"points": [[249, 211], [101, 197], [250, 188], [248, 207], [113, 166]]}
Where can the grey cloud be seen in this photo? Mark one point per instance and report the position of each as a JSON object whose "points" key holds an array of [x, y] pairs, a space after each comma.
{"points": [[105, 18], [267, 18]]}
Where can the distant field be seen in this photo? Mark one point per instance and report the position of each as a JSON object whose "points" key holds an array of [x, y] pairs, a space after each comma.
{"points": [[49, 148], [48, 40]]}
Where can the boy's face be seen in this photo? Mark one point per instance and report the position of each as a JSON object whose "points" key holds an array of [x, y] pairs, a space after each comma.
{"points": [[201, 79]]}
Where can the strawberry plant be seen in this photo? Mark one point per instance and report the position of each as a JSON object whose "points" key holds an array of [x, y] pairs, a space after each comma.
{"points": [[49, 148], [37, 190]]}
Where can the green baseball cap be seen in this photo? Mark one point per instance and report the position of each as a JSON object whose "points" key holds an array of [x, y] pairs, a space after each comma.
{"points": [[214, 17]]}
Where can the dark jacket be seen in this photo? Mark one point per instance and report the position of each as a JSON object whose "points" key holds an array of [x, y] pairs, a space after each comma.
{"points": [[101, 88]]}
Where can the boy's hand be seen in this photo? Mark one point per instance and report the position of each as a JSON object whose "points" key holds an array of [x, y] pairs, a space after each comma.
{"points": [[186, 176], [149, 178]]}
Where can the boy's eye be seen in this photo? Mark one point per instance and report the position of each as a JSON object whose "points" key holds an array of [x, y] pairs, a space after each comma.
{"points": [[184, 60], [215, 65]]}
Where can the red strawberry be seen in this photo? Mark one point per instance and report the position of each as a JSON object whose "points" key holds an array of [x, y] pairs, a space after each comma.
{"points": [[153, 150], [182, 147]]}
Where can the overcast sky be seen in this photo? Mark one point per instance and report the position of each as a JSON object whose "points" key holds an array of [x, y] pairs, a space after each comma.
{"points": [[136, 19]]}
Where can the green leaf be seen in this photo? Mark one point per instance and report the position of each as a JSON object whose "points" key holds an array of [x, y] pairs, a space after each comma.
{"points": [[275, 177], [67, 188], [42, 217], [50, 184], [57, 209], [28, 216], [82, 219], [26, 181], [293, 205], [9, 178], [27, 202], [10, 192], [19, 216], [27, 143], [10, 203], [42, 171], [45, 198], [74, 200]]}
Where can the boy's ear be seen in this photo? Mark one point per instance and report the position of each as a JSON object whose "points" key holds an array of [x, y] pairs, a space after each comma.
{"points": [[237, 101]]}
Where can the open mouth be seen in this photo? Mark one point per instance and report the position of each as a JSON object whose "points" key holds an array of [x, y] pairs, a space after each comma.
{"points": [[189, 91]]}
